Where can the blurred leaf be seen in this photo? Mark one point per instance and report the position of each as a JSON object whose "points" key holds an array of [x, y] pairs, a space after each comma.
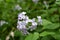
{"points": [[17, 33], [52, 26], [55, 18], [10, 1], [58, 2], [34, 36], [56, 36], [52, 10], [48, 25], [45, 38], [45, 22], [45, 33]]}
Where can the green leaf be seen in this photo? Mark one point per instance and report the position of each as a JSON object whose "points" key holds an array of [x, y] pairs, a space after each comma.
{"points": [[17, 33], [52, 26], [56, 36], [52, 10], [10, 0], [45, 33], [45, 38], [58, 2], [55, 18], [45, 22], [34, 36], [49, 25], [29, 37]]}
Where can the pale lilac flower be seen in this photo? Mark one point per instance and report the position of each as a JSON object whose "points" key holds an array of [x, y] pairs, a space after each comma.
{"points": [[29, 20], [33, 20], [23, 21], [22, 27], [34, 23], [34, 26], [26, 18], [21, 15], [24, 31]]}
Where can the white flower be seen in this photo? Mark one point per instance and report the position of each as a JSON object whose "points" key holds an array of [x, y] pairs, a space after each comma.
{"points": [[17, 7]]}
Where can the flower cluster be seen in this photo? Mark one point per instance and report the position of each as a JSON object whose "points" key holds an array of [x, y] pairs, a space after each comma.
{"points": [[23, 21]]}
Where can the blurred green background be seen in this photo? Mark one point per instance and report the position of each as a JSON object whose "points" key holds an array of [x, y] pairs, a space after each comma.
{"points": [[49, 10]]}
